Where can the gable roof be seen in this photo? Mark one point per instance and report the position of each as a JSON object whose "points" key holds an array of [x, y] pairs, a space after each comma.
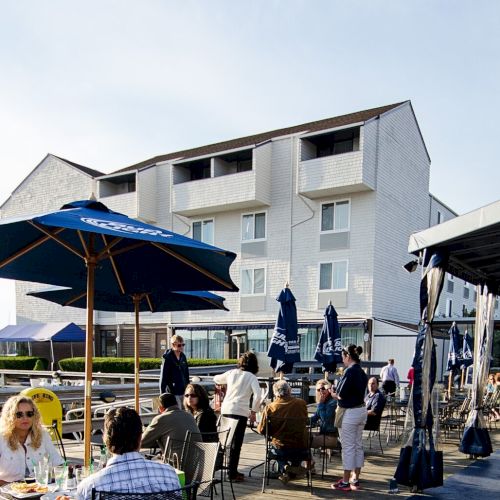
{"points": [[85, 170], [316, 126]]}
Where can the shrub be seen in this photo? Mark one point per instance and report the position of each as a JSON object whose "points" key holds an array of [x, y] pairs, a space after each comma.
{"points": [[126, 365], [23, 362], [38, 365]]}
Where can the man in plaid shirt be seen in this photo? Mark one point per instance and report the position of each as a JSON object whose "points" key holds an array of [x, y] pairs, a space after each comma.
{"points": [[127, 471]]}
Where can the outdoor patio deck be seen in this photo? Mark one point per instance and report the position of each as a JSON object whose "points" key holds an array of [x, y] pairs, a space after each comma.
{"points": [[376, 474]]}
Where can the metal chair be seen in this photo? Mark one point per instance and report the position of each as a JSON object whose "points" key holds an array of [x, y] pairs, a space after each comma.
{"points": [[186, 493], [56, 436], [373, 427]]}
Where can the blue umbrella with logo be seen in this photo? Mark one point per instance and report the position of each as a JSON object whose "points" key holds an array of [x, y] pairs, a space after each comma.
{"points": [[467, 357], [86, 245], [454, 354], [284, 349], [329, 348]]}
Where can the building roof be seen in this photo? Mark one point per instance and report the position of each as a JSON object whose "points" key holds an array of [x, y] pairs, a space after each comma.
{"points": [[85, 170], [326, 124]]}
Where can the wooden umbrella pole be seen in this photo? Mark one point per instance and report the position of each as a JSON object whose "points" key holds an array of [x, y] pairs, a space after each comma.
{"points": [[462, 380], [89, 351], [450, 380], [326, 375], [136, 299]]}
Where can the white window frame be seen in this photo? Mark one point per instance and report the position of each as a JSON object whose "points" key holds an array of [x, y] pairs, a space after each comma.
{"points": [[253, 268], [333, 262], [265, 226], [193, 222], [330, 231]]}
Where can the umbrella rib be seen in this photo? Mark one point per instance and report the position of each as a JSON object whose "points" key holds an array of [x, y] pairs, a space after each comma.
{"points": [[127, 249], [27, 249], [186, 261], [112, 260], [84, 243], [148, 300], [54, 237], [75, 299]]}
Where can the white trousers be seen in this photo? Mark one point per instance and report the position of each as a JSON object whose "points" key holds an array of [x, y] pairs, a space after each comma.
{"points": [[351, 437]]}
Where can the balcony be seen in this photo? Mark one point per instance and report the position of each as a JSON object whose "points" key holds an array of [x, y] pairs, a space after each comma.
{"points": [[334, 175], [242, 190]]}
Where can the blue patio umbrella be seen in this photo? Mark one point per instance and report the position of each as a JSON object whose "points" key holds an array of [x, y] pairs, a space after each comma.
{"points": [[420, 465], [329, 348], [284, 349], [467, 357], [152, 302], [86, 245], [455, 349]]}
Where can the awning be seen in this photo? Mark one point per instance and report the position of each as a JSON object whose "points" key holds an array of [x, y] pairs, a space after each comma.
{"points": [[472, 242], [43, 332]]}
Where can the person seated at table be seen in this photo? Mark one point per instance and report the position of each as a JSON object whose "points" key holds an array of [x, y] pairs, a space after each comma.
{"points": [[286, 420], [196, 403], [23, 440], [375, 404], [127, 471], [171, 422], [325, 416]]}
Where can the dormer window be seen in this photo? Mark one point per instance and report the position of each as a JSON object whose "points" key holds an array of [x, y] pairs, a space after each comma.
{"points": [[332, 143], [119, 184]]}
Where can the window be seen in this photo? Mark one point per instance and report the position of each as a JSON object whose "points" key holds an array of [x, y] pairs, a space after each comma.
{"points": [[449, 283], [466, 291], [253, 281], [253, 226], [333, 275], [108, 344], [203, 230], [439, 217], [335, 216], [449, 307]]}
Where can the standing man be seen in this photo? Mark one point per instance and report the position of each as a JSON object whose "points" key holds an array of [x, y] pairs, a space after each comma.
{"points": [[127, 471], [174, 375], [390, 377]]}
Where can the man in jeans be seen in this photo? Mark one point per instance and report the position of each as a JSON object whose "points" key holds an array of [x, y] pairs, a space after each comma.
{"points": [[174, 373], [287, 418]]}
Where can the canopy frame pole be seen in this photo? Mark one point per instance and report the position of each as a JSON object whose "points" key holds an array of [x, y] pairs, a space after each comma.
{"points": [[89, 348], [137, 299], [52, 354]]}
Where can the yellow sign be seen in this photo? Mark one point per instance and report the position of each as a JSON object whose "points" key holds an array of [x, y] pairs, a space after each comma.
{"points": [[48, 405]]}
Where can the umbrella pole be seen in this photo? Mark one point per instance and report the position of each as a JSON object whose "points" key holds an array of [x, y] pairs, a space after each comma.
{"points": [[450, 380], [89, 341], [326, 375], [462, 380], [136, 299]]}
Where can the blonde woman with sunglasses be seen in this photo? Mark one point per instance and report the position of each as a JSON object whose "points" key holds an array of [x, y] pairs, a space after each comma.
{"points": [[23, 440], [325, 417]]}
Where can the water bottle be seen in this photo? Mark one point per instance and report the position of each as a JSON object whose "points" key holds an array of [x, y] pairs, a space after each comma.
{"points": [[70, 479], [103, 457]]}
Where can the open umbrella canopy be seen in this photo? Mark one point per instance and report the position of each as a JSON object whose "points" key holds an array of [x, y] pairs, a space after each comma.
{"points": [[284, 349], [329, 348], [86, 245], [131, 256], [151, 302]]}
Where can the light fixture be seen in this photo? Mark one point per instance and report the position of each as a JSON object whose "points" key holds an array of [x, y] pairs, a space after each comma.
{"points": [[411, 266]]}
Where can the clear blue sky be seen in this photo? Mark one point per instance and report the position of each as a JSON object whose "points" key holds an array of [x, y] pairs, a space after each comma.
{"points": [[109, 83]]}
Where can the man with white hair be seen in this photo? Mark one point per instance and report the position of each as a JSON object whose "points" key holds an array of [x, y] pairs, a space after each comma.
{"points": [[286, 422]]}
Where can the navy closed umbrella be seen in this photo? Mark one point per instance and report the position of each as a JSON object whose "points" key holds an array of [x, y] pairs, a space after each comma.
{"points": [[420, 465], [284, 349], [86, 245], [329, 348], [454, 354], [467, 356]]}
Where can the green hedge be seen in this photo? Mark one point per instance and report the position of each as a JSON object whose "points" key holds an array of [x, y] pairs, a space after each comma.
{"points": [[126, 365], [23, 362]]}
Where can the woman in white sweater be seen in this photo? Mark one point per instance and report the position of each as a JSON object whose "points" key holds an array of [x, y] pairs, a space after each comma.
{"points": [[241, 384]]}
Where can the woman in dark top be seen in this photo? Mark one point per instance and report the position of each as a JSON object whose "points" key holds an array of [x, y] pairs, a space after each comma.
{"points": [[196, 402], [350, 396]]}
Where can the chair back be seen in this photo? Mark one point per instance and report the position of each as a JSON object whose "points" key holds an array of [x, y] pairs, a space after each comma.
{"points": [[188, 492], [373, 421], [175, 450], [200, 464], [291, 432]]}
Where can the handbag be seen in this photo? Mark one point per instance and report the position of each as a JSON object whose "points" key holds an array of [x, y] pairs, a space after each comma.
{"points": [[339, 416], [180, 474]]}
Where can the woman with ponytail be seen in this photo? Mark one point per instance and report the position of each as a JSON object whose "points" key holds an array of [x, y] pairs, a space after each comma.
{"points": [[351, 417]]}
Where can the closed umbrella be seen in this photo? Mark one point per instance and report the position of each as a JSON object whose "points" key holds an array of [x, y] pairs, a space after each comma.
{"points": [[476, 439], [454, 354], [420, 465], [152, 302], [86, 245], [284, 349], [466, 354], [329, 348]]}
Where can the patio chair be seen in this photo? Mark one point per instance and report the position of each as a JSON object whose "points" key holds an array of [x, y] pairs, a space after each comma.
{"points": [[373, 427], [273, 426], [186, 493]]}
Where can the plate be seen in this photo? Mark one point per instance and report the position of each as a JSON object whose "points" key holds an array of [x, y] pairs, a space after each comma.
{"points": [[15, 494], [52, 495]]}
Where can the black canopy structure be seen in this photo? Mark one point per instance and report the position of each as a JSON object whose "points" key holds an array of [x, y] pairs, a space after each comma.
{"points": [[470, 245]]}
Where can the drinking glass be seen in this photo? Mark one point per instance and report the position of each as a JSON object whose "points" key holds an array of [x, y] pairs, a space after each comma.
{"points": [[60, 475], [41, 472], [82, 473]]}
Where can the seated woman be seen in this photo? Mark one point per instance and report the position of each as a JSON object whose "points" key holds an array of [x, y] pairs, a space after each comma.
{"points": [[23, 440], [325, 416], [196, 402]]}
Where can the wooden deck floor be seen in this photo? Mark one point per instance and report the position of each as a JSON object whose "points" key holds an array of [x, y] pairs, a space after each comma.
{"points": [[379, 469]]}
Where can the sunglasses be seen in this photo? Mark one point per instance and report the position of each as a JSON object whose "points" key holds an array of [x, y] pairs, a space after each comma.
{"points": [[180, 345], [21, 414], [322, 388], [190, 396]]}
